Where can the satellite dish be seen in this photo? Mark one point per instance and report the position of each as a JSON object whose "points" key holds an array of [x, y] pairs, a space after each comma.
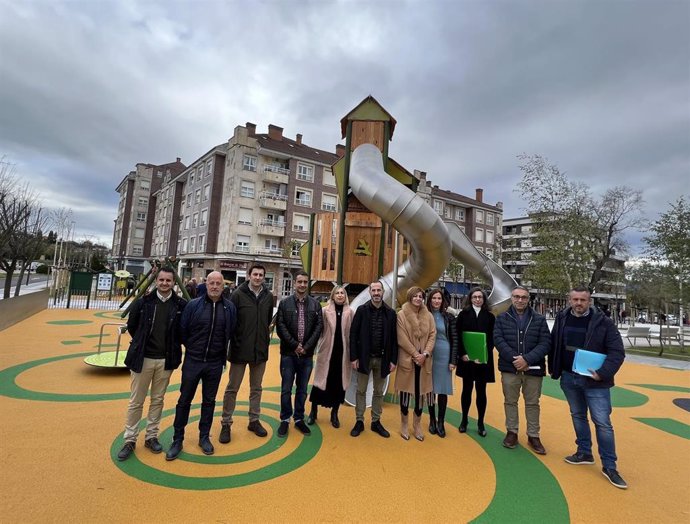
{"points": [[121, 273]]}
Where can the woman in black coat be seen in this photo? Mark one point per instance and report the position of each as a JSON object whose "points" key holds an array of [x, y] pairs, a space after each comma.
{"points": [[476, 317]]}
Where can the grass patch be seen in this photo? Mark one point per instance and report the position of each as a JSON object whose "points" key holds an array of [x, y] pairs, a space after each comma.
{"points": [[670, 352]]}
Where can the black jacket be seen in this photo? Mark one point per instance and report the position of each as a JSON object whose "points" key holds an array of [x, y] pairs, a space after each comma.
{"points": [[602, 337], [536, 341], [286, 325], [252, 334], [483, 323], [360, 338], [195, 329], [139, 325]]}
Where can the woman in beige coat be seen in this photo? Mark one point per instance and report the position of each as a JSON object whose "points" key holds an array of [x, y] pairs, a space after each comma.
{"points": [[416, 337], [332, 369]]}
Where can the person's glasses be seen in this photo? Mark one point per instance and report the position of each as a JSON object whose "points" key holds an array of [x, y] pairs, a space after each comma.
{"points": [[520, 297]]}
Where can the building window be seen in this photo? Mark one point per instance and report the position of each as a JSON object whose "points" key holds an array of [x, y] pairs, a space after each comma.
{"points": [[245, 216], [449, 212], [200, 172], [191, 179], [328, 177], [204, 217], [247, 188], [189, 200], [300, 222], [490, 253], [479, 235], [480, 216], [207, 192], [489, 236], [197, 196], [195, 220], [460, 214], [141, 217], [305, 172], [296, 246], [139, 233], [137, 250], [192, 245], [209, 167], [329, 202], [143, 201], [202, 243], [438, 207], [489, 219], [249, 163], [184, 245], [242, 244], [145, 184], [186, 222], [303, 197]]}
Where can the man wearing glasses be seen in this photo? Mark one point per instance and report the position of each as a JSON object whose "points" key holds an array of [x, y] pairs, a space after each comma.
{"points": [[522, 338]]}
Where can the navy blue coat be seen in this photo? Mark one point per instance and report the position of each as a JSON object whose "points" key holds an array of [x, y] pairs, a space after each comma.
{"points": [[139, 325], [537, 341], [195, 329], [602, 337]]}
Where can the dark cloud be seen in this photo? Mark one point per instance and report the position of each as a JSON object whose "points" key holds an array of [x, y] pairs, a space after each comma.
{"points": [[599, 87]]}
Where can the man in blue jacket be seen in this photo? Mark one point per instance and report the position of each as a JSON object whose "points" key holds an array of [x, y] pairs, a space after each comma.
{"points": [[580, 326], [299, 323], [154, 353], [207, 326], [522, 338]]}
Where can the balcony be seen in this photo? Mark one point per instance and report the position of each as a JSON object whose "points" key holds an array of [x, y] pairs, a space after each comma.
{"points": [[271, 228], [241, 248], [268, 251], [268, 200], [276, 174]]}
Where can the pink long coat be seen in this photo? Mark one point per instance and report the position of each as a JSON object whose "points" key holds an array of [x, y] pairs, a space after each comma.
{"points": [[325, 346]]}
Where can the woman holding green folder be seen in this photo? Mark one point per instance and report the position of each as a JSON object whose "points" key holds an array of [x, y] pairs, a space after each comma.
{"points": [[475, 320]]}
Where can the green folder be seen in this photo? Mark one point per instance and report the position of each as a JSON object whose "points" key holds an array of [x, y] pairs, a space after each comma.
{"points": [[475, 345]]}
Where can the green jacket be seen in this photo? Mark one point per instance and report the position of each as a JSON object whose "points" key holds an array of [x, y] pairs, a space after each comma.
{"points": [[252, 335]]}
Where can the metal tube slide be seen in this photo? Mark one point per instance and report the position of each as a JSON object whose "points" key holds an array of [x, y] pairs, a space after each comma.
{"points": [[409, 214]]}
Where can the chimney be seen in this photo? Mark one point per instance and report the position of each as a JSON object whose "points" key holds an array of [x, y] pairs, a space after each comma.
{"points": [[298, 139], [251, 129], [275, 132], [479, 194], [499, 205], [340, 150], [179, 159]]}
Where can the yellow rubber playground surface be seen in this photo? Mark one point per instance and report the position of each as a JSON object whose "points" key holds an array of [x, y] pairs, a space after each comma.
{"points": [[62, 425]]}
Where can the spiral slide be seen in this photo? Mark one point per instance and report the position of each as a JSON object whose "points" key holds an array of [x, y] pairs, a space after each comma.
{"points": [[432, 240]]}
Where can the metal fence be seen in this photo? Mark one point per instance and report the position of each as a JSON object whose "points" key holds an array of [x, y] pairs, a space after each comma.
{"points": [[80, 290]]}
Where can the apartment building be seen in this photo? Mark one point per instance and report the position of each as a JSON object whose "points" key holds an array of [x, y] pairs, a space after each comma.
{"points": [[134, 226], [519, 241], [247, 200]]}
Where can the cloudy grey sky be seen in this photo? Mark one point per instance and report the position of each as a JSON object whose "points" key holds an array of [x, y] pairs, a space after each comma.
{"points": [[601, 88]]}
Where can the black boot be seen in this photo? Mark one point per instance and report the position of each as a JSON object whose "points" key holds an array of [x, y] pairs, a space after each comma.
{"points": [[432, 420], [311, 419], [335, 422], [441, 428]]}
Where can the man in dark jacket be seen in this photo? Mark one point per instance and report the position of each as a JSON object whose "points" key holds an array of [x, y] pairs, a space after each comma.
{"points": [[207, 326], [254, 303], [299, 325], [522, 338], [373, 349], [583, 327], [153, 354]]}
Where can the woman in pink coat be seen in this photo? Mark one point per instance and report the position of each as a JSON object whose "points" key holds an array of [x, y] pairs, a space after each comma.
{"points": [[332, 369]]}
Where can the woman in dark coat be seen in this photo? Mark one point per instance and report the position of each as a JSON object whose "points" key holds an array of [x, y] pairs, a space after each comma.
{"points": [[476, 317]]}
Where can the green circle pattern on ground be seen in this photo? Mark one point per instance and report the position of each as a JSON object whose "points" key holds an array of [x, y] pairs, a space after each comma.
{"points": [[307, 450], [620, 397]]}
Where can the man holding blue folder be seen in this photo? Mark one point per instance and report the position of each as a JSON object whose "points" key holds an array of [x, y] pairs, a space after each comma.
{"points": [[581, 330]]}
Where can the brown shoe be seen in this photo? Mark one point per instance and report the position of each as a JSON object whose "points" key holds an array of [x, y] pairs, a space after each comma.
{"points": [[511, 440], [536, 445]]}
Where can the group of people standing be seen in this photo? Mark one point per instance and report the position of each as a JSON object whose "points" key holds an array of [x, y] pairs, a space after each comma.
{"points": [[424, 343]]}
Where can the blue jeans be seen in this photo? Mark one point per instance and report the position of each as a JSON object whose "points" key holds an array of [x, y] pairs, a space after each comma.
{"points": [[294, 369], [581, 397], [193, 372]]}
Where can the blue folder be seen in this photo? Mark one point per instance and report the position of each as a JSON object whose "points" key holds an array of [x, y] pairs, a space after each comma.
{"points": [[586, 360]]}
